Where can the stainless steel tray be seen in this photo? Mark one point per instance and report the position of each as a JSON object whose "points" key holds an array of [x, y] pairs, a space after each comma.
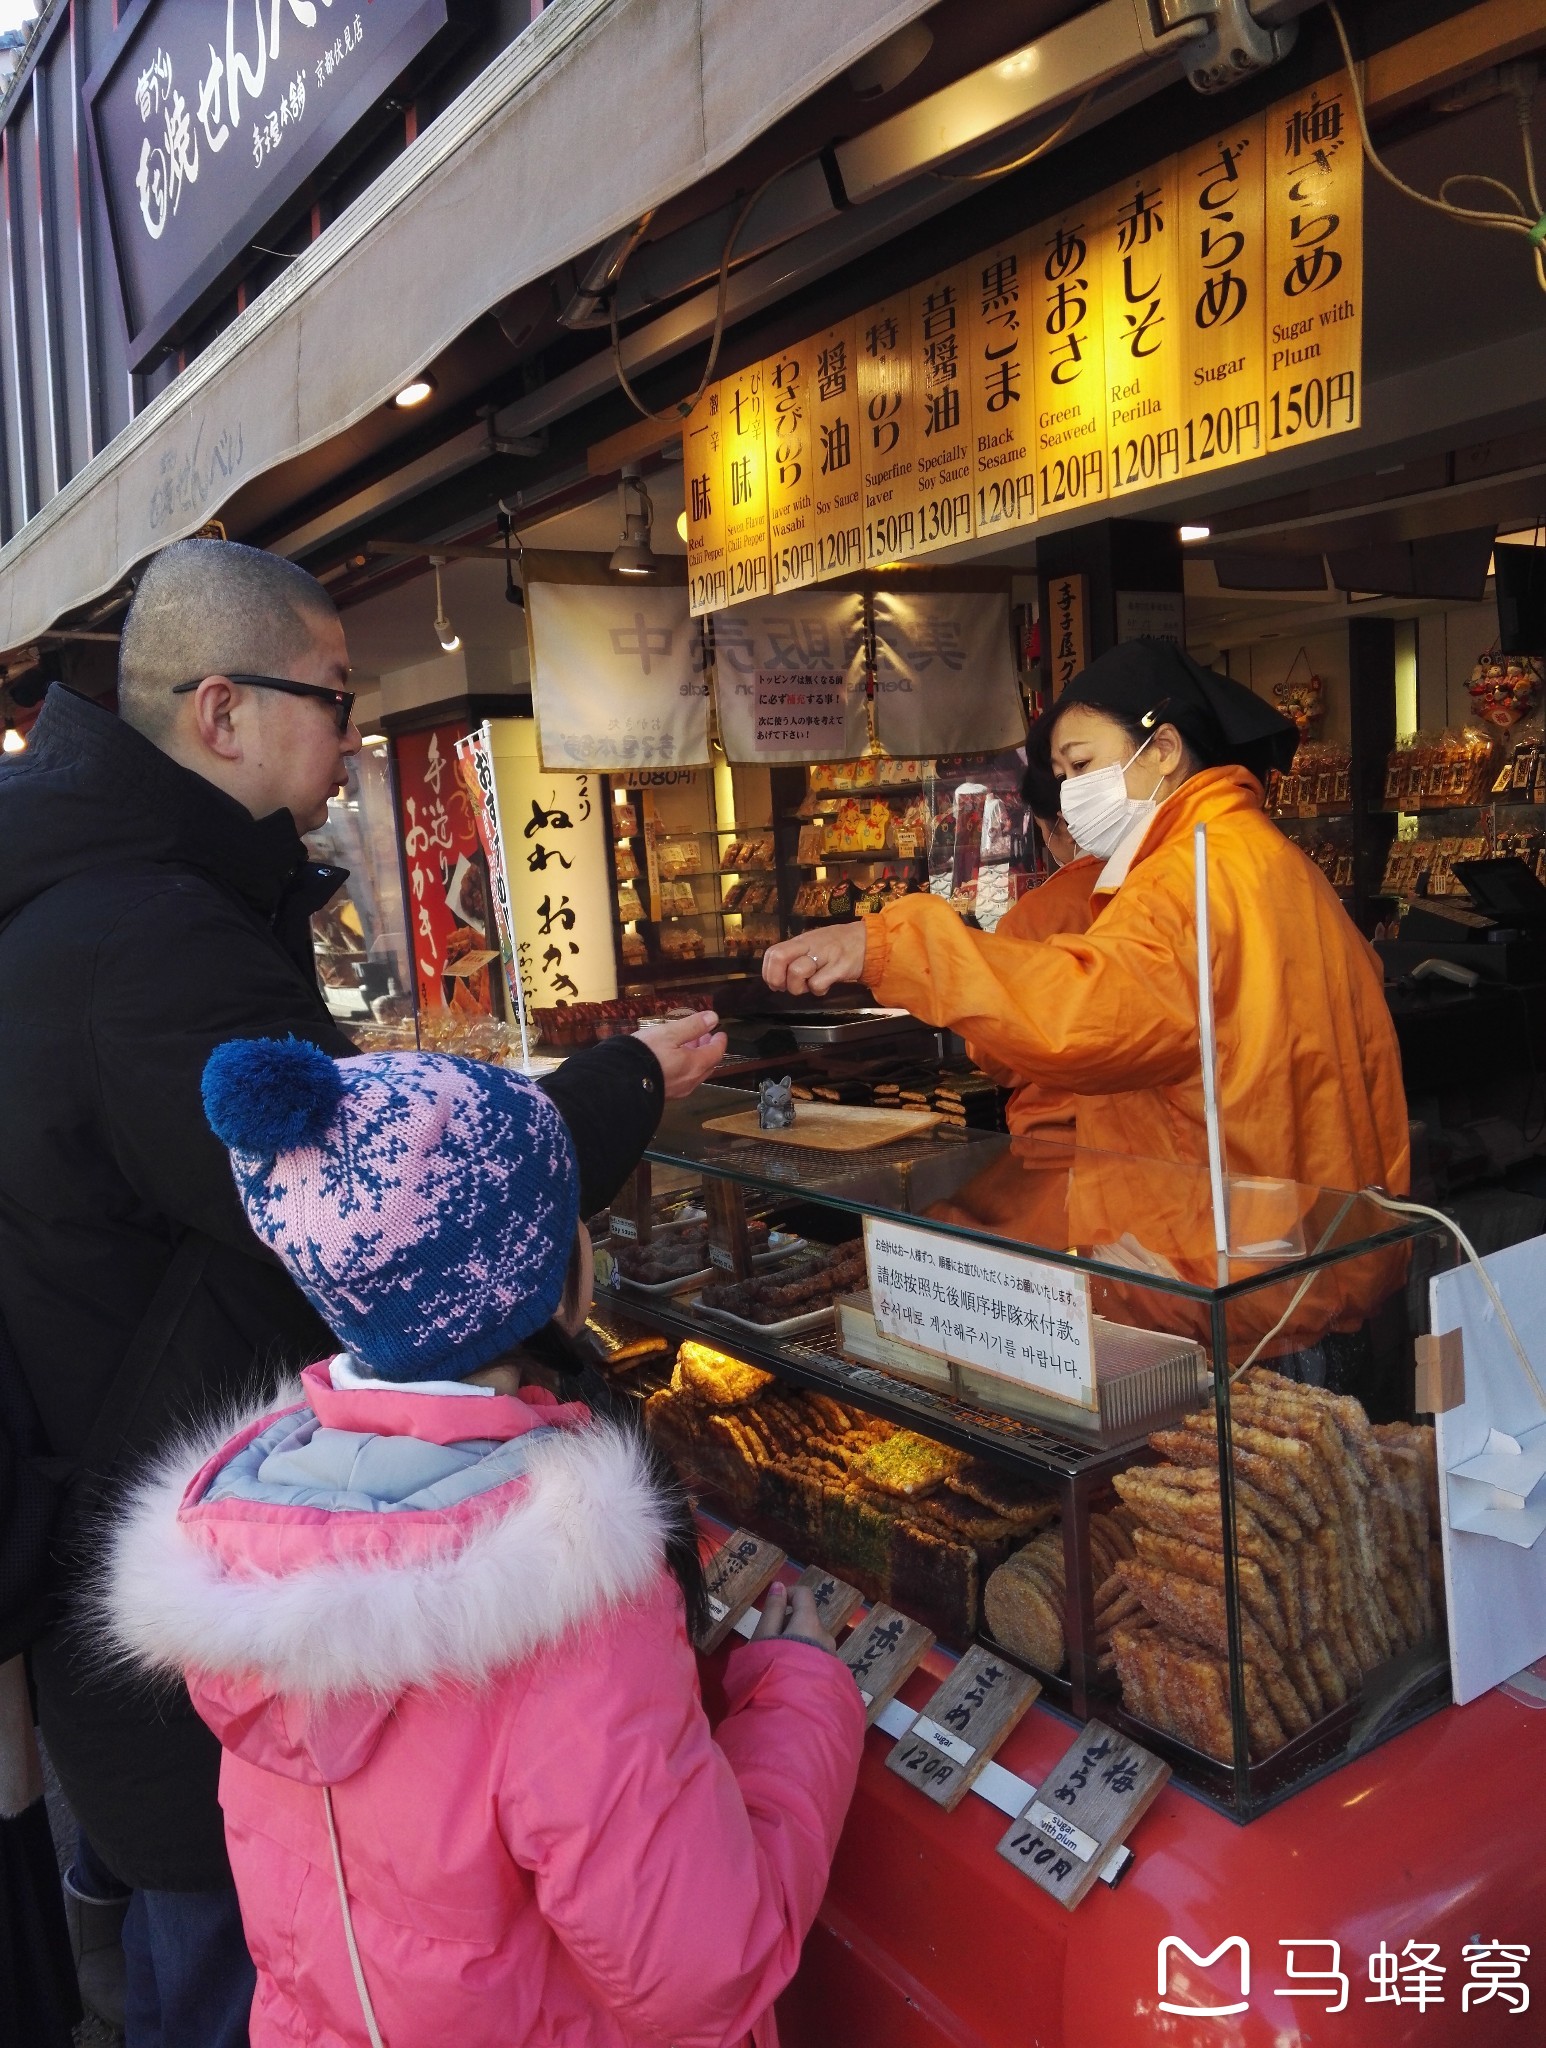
{"points": [[847, 1028]]}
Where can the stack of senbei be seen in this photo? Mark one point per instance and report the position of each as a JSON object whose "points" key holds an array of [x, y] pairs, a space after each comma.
{"points": [[1337, 1565], [906, 1520]]}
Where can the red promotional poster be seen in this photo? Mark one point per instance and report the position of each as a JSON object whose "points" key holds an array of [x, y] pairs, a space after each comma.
{"points": [[449, 911]]}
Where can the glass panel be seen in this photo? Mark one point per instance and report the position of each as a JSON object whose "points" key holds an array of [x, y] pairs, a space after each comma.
{"points": [[361, 937]]}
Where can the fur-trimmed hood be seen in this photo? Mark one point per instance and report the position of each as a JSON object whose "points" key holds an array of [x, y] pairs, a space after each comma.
{"points": [[300, 1613]]}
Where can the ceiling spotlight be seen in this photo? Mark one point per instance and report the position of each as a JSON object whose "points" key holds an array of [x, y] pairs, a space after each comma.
{"points": [[450, 639], [1195, 532], [681, 525], [514, 594], [633, 555], [13, 743], [416, 390]]}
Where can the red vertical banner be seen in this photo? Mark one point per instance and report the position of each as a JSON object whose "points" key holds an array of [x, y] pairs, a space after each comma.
{"points": [[450, 906]]}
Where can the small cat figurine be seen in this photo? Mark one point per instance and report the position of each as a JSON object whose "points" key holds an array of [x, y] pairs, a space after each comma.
{"points": [[775, 1104]]}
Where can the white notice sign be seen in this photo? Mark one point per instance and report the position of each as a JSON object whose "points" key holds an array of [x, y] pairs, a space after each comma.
{"points": [[798, 714], [997, 1310]]}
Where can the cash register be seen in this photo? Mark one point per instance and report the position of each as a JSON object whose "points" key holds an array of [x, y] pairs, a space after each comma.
{"points": [[1497, 933]]}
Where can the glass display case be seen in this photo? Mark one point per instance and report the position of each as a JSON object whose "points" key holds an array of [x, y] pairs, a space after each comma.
{"points": [[364, 961], [1012, 1388]]}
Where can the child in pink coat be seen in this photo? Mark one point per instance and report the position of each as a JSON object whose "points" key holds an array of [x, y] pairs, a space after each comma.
{"points": [[470, 1792]]}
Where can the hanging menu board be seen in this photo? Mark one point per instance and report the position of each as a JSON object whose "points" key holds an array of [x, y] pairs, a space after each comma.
{"points": [[1314, 299], [1205, 312]]}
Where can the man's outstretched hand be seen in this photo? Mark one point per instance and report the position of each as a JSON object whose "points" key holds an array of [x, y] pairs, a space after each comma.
{"points": [[688, 1049]]}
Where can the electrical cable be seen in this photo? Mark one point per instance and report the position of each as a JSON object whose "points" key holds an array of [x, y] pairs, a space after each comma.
{"points": [[721, 300], [1047, 142], [1519, 222]]}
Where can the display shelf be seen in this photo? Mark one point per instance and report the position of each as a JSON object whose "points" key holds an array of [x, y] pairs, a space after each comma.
{"points": [[868, 860]]}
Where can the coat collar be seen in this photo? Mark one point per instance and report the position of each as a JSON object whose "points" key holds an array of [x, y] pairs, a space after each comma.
{"points": [[1211, 794], [136, 802], [386, 1410]]}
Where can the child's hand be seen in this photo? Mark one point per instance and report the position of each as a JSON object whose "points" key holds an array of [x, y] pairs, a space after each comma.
{"points": [[688, 1049], [792, 1617]]}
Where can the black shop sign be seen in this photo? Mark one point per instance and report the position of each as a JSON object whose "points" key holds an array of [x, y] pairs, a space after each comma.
{"points": [[205, 116]]}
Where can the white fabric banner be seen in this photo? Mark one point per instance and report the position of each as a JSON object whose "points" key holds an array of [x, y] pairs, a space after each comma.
{"points": [[945, 679], [789, 678], [617, 677]]}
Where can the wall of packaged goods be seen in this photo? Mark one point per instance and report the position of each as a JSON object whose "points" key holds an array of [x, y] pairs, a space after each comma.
{"points": [[1207, 312]]}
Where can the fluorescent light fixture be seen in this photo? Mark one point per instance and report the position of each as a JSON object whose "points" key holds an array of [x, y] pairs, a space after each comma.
{"points": [[14, 743], [1021, 64], [373, 739], [415, 391], [450, 639], [1195, 532]]}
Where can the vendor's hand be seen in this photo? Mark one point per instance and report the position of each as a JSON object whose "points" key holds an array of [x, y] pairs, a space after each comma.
{"points": [[688, 1049], [793, 1617], [816, 961]]}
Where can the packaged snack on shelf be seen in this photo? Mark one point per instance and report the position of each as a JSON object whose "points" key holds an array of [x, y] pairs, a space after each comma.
{"points": [[874, 826], [677, 899], [627, 863], [635, 953], [679, 856], [813, 844], [629, 906], [625, 819], [682, 942], [735, 894]]}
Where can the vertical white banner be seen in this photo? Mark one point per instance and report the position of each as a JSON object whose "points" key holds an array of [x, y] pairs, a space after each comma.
{"points": [[945, 680], [617, 677]]}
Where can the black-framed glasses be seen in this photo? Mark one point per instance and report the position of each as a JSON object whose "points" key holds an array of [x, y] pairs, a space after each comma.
{"points": [[342, 701]]}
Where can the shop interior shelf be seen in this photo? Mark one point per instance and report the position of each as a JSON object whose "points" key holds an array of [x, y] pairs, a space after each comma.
{"points": [[812, 1361], [868, 860]]}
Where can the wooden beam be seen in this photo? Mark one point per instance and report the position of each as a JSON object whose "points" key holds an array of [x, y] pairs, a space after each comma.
{"points": [[1450, 51], [631, 444]]}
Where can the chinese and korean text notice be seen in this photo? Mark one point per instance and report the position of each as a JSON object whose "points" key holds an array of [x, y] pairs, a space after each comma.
{"points": [[998, 1310]]}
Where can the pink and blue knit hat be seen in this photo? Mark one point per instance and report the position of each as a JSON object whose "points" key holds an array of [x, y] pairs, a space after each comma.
{"points": [[425, 1206]]}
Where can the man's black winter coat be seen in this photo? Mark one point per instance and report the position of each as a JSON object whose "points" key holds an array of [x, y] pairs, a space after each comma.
{"points": [[145, 918]]}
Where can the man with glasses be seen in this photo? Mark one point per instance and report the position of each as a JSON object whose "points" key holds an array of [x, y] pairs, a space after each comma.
{"points": [[155, 901]]}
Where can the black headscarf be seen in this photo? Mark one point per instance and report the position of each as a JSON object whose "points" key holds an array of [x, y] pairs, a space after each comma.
{"points": [[1150, 683], [1039, 786]]}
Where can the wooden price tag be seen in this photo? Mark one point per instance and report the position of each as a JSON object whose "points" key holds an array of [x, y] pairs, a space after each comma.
{"points": [[729, 1243], [835, 1598], [736, 1575], [1082, 1810], [961, 1727], [882, 1654], [632, 1213]]}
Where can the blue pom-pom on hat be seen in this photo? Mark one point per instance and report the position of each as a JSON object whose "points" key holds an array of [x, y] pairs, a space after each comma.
{"points": [[268, 1095]]}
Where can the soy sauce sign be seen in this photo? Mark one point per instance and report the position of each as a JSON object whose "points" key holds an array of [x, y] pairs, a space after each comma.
{"points": [[205, 116]]}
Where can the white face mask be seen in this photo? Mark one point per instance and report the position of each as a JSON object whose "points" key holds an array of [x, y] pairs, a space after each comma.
{"points": [[1098, 810]]}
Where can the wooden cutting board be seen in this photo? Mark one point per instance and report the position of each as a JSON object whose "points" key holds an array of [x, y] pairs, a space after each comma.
{"points": [[833, 1126]]}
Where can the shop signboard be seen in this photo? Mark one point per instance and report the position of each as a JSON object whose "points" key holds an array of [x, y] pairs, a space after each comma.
{"points": [[945, 676], [208, 115], [1068, 632], [555, 833], [1198, 315], [475, 764], [617, 676], [978, 1306], [1141, 273], [791, 478], [450, 916], [744, 487], [790, 678], [888, 431], [943, 408], [835, 421], [1223, 260], [1314, 297], [1002, 388], [1067, 297], [703, 487]]}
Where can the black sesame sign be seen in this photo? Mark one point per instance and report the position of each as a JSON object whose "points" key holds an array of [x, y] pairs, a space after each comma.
{"points": [[205, 116]]}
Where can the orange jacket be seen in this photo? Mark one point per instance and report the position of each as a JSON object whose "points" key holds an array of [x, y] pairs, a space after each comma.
{"points": [[1059, 904], [1309, 1071]]}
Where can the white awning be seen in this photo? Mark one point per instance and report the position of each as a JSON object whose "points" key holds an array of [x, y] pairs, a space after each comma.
{"points": [[599, 111]]}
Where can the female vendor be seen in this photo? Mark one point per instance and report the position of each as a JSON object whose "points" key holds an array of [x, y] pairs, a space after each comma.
{"points": [[1147, 745]]}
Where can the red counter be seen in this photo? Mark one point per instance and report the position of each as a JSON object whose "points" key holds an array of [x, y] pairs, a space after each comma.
{"points": [[928, 1938]]}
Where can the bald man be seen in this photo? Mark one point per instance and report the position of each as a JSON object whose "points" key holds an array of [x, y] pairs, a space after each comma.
{"points": [[155, 900]]}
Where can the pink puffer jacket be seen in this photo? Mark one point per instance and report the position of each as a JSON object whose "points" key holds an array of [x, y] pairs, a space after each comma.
{"points": [[443, 1622]]}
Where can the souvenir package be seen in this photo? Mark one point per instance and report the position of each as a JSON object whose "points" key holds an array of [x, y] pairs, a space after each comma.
{"points": [[1504, 687], [625, 819], [678, 856], [627, 862], [677, 899], [682, 942], [635, 953], [629, 907], [813, 844]]}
